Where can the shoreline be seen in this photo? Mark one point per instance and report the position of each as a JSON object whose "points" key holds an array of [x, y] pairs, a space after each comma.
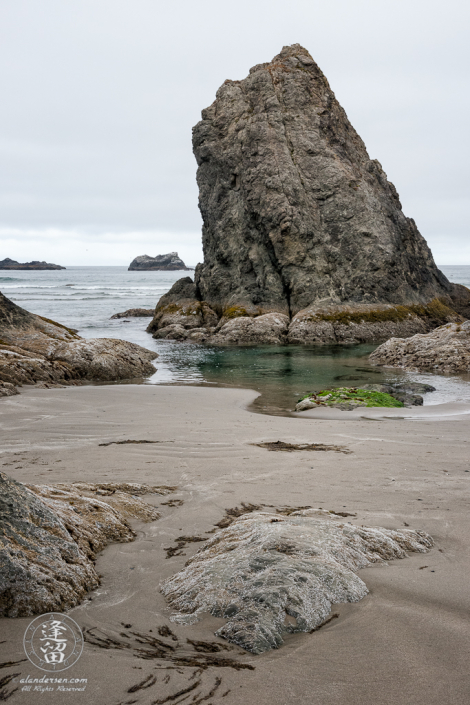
{"points": [[410, 629]]}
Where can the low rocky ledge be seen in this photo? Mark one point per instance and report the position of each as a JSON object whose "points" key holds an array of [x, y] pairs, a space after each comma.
{"points": [[445, 349], [34, 349], [180, 315], [161, 263], [369, 395], [51, 535], [13, 264], [135, 313]]}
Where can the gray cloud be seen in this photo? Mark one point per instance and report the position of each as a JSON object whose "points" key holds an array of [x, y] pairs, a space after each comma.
{"points": [[99, 97]]}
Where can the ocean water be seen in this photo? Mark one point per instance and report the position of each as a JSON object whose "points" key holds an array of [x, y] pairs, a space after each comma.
{"points": [[86, 297]]}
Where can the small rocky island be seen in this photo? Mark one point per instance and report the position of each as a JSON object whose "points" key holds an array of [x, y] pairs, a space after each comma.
{"points": [[304, 237], [35, 264], [161, 263]]}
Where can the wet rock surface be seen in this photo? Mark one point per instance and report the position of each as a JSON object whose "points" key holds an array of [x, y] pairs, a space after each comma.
{"points": [[446, 349], [50, 536], [270, 575], [161, 263], [34, 349]]}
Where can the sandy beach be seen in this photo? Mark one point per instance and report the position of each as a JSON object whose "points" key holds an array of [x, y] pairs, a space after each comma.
{"points": [[406, 643]]}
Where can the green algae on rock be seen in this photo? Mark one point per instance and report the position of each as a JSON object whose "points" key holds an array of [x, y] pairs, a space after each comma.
{"points": [[347, 398]]}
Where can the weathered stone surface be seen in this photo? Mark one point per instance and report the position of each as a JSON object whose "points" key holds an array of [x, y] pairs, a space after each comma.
{"points": [[161, 263], [297, 219], [268, 329], [135, 313], [7, 389], [362, 323], [188, 313], [50, 535], [264, 567], [445, 349], [34, 349], [13, 264], [295, 212]]}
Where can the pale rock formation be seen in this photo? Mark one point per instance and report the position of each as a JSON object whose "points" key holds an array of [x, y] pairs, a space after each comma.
{"points": [[264, 567], [444, 350], [268, 329]]}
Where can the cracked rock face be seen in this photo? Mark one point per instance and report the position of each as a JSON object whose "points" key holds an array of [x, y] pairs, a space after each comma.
{"points": [[445, 349], [294, 210], [269, 574]]}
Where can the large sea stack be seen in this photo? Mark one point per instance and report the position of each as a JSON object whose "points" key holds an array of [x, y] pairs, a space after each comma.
{"points": [[300, 222]]}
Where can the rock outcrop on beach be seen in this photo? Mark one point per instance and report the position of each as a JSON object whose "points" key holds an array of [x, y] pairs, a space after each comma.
{"points": [[299, 221], [34, 349], [161, 263], [51, 535], [368, 395], [444, 350], [13, 264], [135, 313], [270, 575]]}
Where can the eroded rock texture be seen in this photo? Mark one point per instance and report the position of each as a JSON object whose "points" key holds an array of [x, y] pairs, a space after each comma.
{"points": [[446, 349], [298, 220], [295, 212], [265, 568], [50, 536], [34, 349]]}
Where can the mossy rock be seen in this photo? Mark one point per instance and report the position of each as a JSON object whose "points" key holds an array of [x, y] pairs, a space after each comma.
{"points": [[435, 310], [351, 396], [238, 312]]}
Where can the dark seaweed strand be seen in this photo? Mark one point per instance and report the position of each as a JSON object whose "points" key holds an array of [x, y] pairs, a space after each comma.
{"points": [[146, 683], [170, 698]]}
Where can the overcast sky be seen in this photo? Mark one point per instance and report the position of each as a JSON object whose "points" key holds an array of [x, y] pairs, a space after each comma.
{"points": [[99, 98]]}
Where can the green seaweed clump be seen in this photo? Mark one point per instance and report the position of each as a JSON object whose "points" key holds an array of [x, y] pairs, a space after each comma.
{"points": [[351, 395]]}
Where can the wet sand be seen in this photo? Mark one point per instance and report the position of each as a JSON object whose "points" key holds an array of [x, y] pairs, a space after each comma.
{"points": [[406, 643]]}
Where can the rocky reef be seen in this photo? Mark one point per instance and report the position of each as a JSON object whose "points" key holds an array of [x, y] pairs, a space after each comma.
{"points": [[445, 350], [13, 264], [300, 222], [380, 395], [135, 313], [34, 349], [270, 575], [51, 535], [161, 263]]}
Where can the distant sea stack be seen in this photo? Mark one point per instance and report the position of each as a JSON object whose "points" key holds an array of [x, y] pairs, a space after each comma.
{"points": [[298, 221], [160, 263], [12, 264]]}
